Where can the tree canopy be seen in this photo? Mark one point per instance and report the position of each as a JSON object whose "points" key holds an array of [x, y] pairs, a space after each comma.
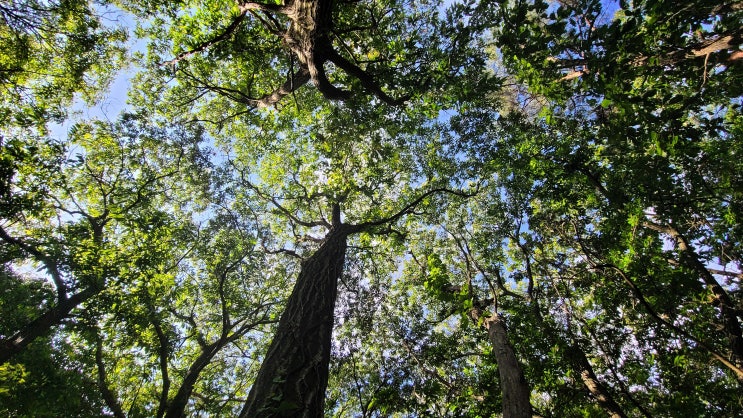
{"points": [[372, 208]]}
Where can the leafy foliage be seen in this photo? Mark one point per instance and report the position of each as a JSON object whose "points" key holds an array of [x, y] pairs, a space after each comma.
{"points": [[531, 196], [52, 51]]}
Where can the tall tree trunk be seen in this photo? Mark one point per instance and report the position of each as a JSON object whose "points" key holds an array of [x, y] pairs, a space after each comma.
{"points": [[294, 374], [516, 392]]}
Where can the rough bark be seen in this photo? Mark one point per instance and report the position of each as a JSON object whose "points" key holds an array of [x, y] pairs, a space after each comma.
{"points": [[516, 391], [294, 374]]}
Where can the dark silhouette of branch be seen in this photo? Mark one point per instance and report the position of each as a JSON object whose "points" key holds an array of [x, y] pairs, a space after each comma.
{"points": [[49, 264], [408, 208], [727, 305], [651, 311], [367, 81], [226, 33], [108, 396]]}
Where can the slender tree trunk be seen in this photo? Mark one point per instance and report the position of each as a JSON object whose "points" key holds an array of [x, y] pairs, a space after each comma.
{"points": [[294, 374], [178, 404], [516, 392]]}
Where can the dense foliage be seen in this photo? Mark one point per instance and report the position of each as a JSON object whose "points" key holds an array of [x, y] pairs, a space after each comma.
{"points": [[372, 208]]}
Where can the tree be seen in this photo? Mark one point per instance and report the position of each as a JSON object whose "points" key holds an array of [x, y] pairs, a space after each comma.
{"points": [[68, 213], [294, 373], [43, 367], [414, 236], [184, 325], [263, 52], [52, 50], [674, 117]]}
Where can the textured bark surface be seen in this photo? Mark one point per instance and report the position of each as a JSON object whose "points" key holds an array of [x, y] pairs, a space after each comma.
{"points": [[294, 374], [515, 390]]}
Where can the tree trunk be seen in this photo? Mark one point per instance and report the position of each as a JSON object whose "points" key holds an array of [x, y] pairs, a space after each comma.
{"points": [[179, 402], [515, 390], [294, 374]]}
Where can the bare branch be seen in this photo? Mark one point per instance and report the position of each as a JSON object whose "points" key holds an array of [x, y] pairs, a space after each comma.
{"points": [[366, 79]]}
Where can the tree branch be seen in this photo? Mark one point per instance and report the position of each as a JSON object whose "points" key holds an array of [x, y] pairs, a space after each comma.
{"points": [[278, 205], [49, 264], [728, 307], [226, 33], [108, 396], [649, 308], [366, 79], [409, 207]]}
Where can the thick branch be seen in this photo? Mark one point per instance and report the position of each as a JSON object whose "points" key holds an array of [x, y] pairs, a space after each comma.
{"points": [[274, 8], [179, 402], [43, 324], [163, 354], [366, 79], [594, 386], [295, 81], [723, 42]]}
